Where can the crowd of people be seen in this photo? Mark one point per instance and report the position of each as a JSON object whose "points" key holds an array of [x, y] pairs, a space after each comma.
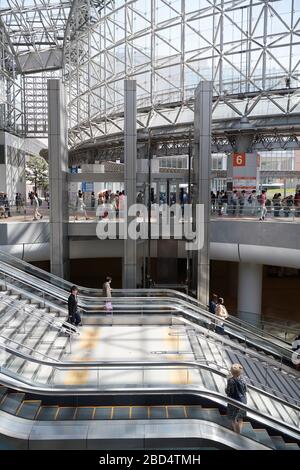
{"points": [[239, 203], [107, 204], [4, 205]]}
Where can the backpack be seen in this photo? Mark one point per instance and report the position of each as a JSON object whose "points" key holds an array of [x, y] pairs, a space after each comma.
{"points": [[40, 201], [238, 390]]}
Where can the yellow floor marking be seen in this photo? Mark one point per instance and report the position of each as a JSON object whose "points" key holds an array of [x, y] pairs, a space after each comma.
{"points": [[78, 377], [90, 339], [173, 343], [87, 344]]}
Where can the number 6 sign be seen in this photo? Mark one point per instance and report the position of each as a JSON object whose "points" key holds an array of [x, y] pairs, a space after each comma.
{"points": [[239, 159]]}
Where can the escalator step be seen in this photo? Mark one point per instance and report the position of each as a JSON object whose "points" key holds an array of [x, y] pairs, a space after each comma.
{"points": [[209, 414], [212, 415], [103, 413], [139, 412], [158, 412], [84, 413], [66, 413], [291, 446], [193, 411], [29, 409], [12, 402], [264, 438], [278, 442], [3, 391], [248, 431], [121, 412], [176, 412], [47, 413]]}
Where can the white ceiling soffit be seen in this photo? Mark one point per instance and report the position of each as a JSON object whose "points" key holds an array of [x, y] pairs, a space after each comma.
{"points": [[41, 61]]}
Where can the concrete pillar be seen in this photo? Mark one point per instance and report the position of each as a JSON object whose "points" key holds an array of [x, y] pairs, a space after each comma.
{"points": [[58, 184], [130, 155], [243, 143], [201, 181], [250, 292]]}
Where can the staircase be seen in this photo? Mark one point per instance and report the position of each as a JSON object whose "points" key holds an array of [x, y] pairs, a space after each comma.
{"points": [[38, 333]]}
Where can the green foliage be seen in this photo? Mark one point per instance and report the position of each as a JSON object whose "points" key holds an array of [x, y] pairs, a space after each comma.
{"points": [[37, 172]]}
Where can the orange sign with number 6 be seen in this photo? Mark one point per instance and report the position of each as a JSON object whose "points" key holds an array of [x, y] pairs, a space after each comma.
{"points": [[239, 159]]}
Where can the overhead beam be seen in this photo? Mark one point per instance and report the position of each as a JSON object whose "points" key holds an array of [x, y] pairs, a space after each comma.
{"points": [[33, 62]]}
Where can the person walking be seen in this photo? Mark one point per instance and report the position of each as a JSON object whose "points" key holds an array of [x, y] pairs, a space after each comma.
{"points": [[236, 389], [225, 202], [80, 207], [297, 203], [6, 205], [277, 204], [296, 352], [213, 303], [234, 202], [93, 200], [107, 293], [252, 201], [242, 201], [262, 201], [36, 205], [222, 314], [74, 316], [3, 212]]}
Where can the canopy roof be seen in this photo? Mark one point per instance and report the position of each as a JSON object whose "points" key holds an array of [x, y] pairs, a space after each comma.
{"points": [[35, 25]]}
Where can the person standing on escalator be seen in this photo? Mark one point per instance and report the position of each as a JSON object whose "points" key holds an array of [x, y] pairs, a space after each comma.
{"points": [[221, 314], [237, 390], [107, 290], [74, 316], [296, 353]]}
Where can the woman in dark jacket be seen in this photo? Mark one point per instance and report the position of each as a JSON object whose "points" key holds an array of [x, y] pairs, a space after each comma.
{"points": [[237, 390]]}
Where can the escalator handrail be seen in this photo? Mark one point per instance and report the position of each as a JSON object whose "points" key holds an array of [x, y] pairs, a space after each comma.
{"points": [[268, 359], [190, 310], [95, 365], [61, 326], [44, 287], [183, 390], [98, 292]]}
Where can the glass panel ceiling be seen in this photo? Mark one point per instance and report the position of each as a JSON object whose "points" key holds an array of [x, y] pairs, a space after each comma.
{"points": [[35, 25]]}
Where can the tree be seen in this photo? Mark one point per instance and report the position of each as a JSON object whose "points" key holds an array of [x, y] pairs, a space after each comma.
{"points": [[37, 172]]}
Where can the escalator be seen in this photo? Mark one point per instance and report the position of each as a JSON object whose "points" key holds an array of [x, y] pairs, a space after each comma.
{"points": [[57, 419], [29, 280], [34, 397], [89, 297]]}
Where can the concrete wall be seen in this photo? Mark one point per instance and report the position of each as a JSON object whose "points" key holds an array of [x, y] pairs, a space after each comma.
{"points": [[269, 243]]}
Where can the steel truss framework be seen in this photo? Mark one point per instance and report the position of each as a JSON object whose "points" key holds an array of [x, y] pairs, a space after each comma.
{"points": [[35, 25], [31, 38], [11, 107], [164, 144], [249, 48]]}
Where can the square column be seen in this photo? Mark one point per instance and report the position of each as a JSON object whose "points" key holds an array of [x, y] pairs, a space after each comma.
{"points": [[58, 185], [130, 156], [250, 292], [201, 182]]}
